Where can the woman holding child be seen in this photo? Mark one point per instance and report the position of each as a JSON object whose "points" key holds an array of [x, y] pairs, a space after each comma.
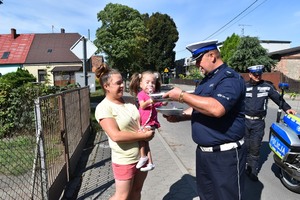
{"points": [[121, 122]]}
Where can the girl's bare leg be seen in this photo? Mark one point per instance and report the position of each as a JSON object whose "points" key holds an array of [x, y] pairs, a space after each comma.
{"points": [[143, 154], [150, 165], [142, 148]]}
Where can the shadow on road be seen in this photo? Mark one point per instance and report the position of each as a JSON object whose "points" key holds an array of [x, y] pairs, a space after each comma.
{"points": [[264, 153], [177, 192], [253, 190]]}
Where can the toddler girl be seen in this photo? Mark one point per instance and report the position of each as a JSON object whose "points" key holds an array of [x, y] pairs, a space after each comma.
{"points": [[141, 85]]}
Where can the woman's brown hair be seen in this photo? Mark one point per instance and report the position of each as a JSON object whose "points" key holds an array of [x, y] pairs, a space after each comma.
{"points": [[103, 73]]}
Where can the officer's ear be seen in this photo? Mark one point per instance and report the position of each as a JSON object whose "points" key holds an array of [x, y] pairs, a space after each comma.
{"points": [[212, 56]]}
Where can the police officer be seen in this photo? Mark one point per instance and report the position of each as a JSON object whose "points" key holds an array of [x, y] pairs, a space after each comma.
{"points": [[257, 93], [218, 124]]}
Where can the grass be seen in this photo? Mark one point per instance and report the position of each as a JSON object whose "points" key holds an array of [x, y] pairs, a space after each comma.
{"points": [[16, 155]]}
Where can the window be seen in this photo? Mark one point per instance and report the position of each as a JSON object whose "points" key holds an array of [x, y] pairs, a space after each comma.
{"points": [[42, 74], [5, 55]]}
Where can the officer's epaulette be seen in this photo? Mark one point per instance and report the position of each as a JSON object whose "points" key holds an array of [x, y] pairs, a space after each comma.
{"points": [[228, 73]]}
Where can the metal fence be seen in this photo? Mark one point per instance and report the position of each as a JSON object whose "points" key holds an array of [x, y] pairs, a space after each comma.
{"points": [[38, 165]]}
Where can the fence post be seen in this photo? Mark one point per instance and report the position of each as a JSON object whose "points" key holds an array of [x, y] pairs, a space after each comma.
{"points": [[39, 151], [64, 133]]}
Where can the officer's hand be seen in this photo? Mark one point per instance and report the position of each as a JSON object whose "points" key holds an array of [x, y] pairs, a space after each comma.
{"points": [[291, 111], [171, 118], [173, 94]]}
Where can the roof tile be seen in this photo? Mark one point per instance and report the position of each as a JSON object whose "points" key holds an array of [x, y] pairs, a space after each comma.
{"points": [[18, 47]]}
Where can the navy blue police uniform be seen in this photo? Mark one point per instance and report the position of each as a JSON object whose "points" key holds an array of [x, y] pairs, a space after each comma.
{"points": [[220, 155], [256, 105]]}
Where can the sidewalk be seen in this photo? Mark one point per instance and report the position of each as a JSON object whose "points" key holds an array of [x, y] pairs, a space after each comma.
{"points": [[94, 179]]}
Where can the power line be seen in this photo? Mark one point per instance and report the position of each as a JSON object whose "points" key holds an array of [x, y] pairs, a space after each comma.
{"points": [[231, 20], [234, 19], [244, 15]]}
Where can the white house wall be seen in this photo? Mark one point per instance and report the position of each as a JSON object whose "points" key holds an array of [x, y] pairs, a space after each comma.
{"points": [[271, 47]]}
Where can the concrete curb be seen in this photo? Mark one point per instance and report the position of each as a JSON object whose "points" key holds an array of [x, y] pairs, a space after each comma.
{"points": [[179, 164]]}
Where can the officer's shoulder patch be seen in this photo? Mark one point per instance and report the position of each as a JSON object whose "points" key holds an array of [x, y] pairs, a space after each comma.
{"points": [[228, 73]]}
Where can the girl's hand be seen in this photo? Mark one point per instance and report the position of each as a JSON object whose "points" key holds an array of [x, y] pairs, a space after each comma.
{"points": [[150, 101]]}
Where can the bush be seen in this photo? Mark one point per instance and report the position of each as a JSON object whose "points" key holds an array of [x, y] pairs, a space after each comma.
{"points": [[18, 90], [192, 74], [18, 78]]}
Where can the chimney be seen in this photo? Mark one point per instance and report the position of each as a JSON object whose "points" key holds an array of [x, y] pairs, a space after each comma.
{"points": [[13, 33], [62, 30]]}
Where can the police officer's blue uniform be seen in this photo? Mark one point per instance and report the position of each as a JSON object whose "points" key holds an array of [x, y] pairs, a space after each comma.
{"points": [[220, 155], [256, 105]]}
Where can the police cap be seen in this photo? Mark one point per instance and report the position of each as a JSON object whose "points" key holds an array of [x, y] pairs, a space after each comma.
{"points": [[199, 48], [256, 69]]}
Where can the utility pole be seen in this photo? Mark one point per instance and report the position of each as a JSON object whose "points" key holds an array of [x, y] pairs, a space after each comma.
{"points": [[243, 28]]}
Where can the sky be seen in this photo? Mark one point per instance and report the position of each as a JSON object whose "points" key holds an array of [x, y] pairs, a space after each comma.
{"points": [[196, 20]]}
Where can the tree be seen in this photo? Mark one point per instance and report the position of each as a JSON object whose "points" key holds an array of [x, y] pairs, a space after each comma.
{"points": [[229, 47], [162, 38], [249, 52], [121, 36]]}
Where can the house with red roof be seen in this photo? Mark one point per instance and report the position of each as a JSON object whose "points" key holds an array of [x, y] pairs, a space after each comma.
{"points": [[14, 49], [46, 56], [50, 59]]}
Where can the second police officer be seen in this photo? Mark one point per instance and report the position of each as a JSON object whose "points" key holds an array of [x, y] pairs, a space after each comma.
{"points": [[258, 91]]}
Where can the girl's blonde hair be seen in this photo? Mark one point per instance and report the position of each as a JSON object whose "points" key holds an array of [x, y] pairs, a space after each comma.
{"points": [[134, 85]]}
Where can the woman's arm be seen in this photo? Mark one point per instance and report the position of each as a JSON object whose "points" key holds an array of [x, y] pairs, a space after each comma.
{"points": [[109, 125]]}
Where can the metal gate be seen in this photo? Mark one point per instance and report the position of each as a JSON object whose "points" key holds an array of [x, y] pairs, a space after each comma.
{"points": [[38, 165]]}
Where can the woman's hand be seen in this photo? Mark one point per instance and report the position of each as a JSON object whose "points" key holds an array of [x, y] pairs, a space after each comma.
{"points": [[147, 133]]}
